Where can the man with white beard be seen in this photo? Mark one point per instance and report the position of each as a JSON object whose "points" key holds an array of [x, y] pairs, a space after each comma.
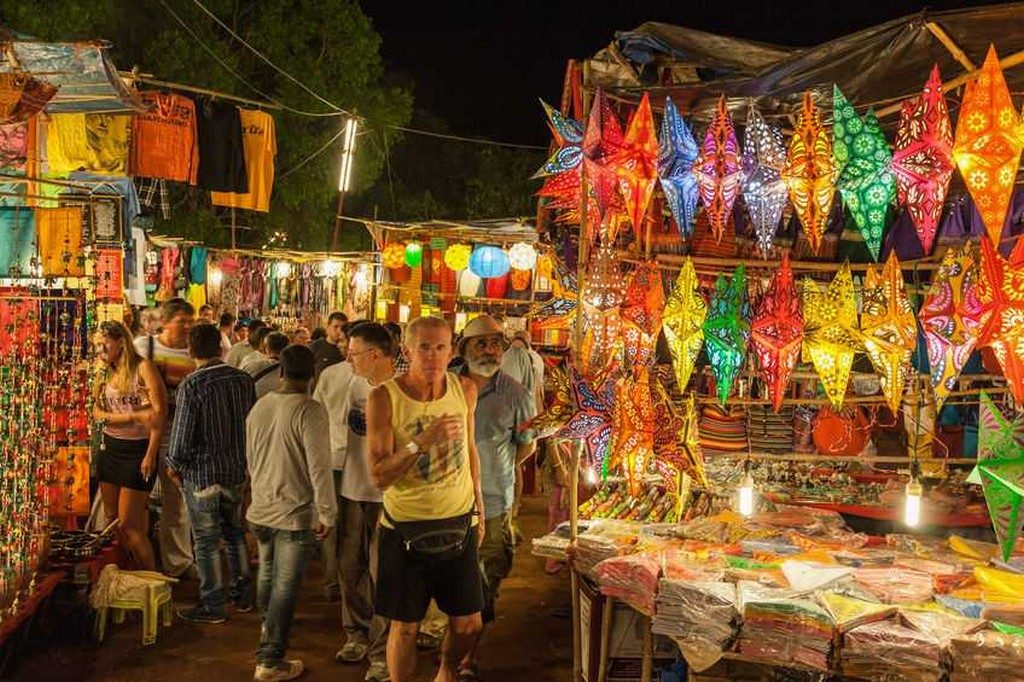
{"points": [[502, 406]]}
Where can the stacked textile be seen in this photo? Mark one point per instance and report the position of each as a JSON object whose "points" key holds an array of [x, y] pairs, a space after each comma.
{"points": [[722, 431], [783, 629], [633, 579], [987, 656], [702, 617], [896, 585], [891, 651], [603, 540], [769, 431]]}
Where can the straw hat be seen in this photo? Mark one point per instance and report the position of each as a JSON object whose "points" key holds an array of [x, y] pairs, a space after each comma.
{"points": [[484, 325]]}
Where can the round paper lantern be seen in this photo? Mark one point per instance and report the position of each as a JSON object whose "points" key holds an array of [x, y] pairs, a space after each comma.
{"points": [[393, 255], [522, 256], [413, 254], [469, 283], [456, 256], [521, 279], [489, 261]]}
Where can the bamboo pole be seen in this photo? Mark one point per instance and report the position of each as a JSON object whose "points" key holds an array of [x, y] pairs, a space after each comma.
{"points": [[574, 517], [607, 613], [815, 458], [950, 45], [647, 664]]}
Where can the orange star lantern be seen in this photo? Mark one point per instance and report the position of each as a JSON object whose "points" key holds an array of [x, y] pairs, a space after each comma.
{"points": [[830, 332], [889, 327], [633, 427], [988, 144], [777, 331], [636, 164], [810, 173], [641, 316], [1001, 290]]}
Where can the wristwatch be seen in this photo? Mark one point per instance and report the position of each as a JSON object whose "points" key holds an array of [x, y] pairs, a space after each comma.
{"points": [[412, 447]]}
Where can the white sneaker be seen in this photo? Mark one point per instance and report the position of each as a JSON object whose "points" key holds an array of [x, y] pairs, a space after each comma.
{"points": [[287, 670], [378, 672]]}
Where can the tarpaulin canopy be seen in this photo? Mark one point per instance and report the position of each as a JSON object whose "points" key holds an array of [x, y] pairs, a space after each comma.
{"points": [[879, 65]]}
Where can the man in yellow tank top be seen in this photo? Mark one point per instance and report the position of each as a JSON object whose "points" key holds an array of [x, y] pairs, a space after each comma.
{"points": [[424, 459]]}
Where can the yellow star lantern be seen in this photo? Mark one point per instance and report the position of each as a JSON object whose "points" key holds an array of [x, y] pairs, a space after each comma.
{"points": [[810, 173], [888, 327], [830, 332], [683, 322], [988, 144]]}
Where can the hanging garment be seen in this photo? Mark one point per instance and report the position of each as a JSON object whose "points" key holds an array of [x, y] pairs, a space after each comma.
{"points": [[221, 149], [23, 96], [17, 241], [259, 138], [60, 241], [109, 282], [168, 261], [91, 142], [153, 195], [164, 143], [196, 295], [136, 268], [14, 147], [197, 265]]}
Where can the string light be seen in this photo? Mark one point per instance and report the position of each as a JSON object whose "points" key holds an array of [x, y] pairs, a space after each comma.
{"points": [[216, 276], [348, 150]]}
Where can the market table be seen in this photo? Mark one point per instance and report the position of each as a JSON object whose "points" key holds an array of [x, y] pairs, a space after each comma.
{"points": [[14, 629]]}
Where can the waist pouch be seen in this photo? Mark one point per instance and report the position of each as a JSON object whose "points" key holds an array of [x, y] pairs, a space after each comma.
{"points": [[434, 540]]}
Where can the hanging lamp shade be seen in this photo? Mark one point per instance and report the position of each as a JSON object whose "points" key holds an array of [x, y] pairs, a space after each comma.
{"points": [[469, 283], [393, 255], [413, 254], [489, 261], [522, 256], [456, 256]]}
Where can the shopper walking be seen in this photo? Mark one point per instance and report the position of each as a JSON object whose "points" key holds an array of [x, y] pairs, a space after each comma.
{"points": [[244, 347], [131, 404], [168, 351], [266, 369], [423, 458], [293, 502], [327, 350], [207, 460]]}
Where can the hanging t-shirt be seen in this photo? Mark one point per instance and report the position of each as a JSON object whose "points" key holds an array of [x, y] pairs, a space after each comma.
{"points": [[107, 185], [13, 146], [164, 141], [260, 141], [221, 149], [137, 272], [60, 241], [197, 265], [109, 280], [92, 142], [17, 241]]}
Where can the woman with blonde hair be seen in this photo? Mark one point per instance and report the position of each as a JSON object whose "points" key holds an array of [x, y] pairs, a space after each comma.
{"points": [[131, 404]]}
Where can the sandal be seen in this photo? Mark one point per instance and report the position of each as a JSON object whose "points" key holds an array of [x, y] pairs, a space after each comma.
{"points": [[425, 640], [468, 673]]}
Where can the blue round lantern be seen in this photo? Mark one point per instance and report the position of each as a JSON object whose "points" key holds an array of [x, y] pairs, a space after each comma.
{"points": [[489, 261]]}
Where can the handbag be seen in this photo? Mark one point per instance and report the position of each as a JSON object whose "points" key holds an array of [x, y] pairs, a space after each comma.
{"points": [[434, 541]]}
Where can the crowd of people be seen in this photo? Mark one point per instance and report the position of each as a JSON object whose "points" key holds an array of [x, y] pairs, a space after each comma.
{"points": [[395, 460]]}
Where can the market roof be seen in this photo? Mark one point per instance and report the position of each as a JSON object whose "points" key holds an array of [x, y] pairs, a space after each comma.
{"points": [[485, 230], [878, 65]]}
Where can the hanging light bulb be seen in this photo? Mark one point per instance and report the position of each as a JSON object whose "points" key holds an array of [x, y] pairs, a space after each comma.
{"points": [[403, 313], [912, 499], [591, 476], [216, 276], [330, 268], [460, 322], [746, 501], [284, 269]]}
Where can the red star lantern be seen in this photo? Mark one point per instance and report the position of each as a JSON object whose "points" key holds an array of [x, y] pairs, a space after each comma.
{"points": [[602, 142], [810, 173], [636, 164], [777, 331], [1001, 290], [718, 170], [592, 420]]}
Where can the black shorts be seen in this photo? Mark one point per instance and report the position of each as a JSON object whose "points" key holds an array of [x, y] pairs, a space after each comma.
{"points": [[406, 585], [120, 463]]}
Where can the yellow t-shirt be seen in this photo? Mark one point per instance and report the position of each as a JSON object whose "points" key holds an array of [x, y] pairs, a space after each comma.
{"points": [[92, 142], [440, 484], [260, 143], [60, 241]]}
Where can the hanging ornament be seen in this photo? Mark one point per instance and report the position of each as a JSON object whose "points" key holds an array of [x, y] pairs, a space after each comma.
{"points": [[393, 255], [863, 159], [952, 318], [636, 164], [522, 256], [413, 254], [676, 437], [830, 332], [988, 144], [456, 256], [632, 444], [923, 159], [727, 330], [489, 261], [888, 327], [1001, 292], [1000, 472], [764, 192], [605, 287], [568, 134], [685, 311], [602, 142], [561, 408], [810, 173], [563, 171], [677, 152], [777, 331], [717, 170], [642, 315], [592, 419]]}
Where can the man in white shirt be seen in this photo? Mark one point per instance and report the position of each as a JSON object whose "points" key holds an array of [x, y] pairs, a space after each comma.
{"points": [[293, 502], [257, 354], [370, 362], [238, 351], [265, 368]]}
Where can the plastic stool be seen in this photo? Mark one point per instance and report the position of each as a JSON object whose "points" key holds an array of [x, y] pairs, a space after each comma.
{"points": [[156, 603]]}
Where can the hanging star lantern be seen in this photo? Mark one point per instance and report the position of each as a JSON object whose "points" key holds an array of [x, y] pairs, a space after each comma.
{"points": [[592, 420], [642, 316], [777, 331], [727, 330], [810, 173], [952, 318], [636, 164], [561, 409], [863, 158], [718, 171], [988, 144], [685, 311], [830, 332], [677, 153], [888, 327], [764, 192], [923, 158], [1000, 472], [602, 325], [1001, 291], [632, 444], [602, 143], [568, 134]]}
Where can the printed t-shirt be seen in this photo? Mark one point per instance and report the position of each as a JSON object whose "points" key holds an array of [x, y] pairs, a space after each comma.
{"points": [[60, 241], [164, 141], [173, 365], [221, 149], [92, 142], [259, 139], [17, 241], [14, 146]]}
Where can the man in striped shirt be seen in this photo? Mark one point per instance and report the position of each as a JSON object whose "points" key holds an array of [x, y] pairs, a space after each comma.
{"points": [[207, 461]]}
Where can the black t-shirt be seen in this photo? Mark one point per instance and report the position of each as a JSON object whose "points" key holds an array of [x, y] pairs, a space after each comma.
{"points": [[325, 354], [221, 154]]}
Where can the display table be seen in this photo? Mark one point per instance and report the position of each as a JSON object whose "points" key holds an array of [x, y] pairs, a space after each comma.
{"points": [[896, 515], [14, 629]]}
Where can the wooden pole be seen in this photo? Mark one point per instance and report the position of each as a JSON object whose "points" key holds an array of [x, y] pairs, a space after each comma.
{"points": [[607, 613], [233, 243], [574, 516], [647, 664]]}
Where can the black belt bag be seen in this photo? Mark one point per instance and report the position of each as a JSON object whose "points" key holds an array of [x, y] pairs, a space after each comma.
{"points": [[434, 540]]}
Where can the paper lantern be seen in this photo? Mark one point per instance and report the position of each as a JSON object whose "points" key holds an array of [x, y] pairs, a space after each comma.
{"points": [[469, 283], [952, 318], [764, 192], [677, 152], [403, 313], [592, 420], [727, 330], [863, 159], [568, 134], [831, 332], [489, 261], [888, 327], [413, 254], [676, 440], [605, 287], [810, 173], [602, 140], [777, 331], [641, 316], [718, 171], [457, 256], [1001, 292], [559, 410], [988, 144], [393, 255], [520, 279], [923, 158], [636, 164], [683, 322], [522, 256], [632, 444]]}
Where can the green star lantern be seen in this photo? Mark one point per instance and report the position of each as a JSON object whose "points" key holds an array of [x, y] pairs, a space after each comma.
{"points": [[727, 330], [1000, 471]]}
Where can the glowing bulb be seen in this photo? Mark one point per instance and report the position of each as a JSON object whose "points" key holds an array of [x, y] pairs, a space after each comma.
{"points": [[382, 310], [330, 268], [216, 276], [460, 322], [591, 476], [284, 269], [747, 494], [348, 151], [912, 503], [359, 280], [403, 313]]}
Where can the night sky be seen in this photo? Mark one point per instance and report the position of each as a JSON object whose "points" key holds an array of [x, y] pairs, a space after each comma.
{"points": [[482, 65]]}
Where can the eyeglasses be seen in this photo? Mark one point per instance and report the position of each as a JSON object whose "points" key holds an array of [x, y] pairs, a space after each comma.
{"points": [[497, 343]]}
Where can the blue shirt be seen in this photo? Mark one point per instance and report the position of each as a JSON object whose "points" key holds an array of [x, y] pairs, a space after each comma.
{"points": [[502, 405], [208, 436]]}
